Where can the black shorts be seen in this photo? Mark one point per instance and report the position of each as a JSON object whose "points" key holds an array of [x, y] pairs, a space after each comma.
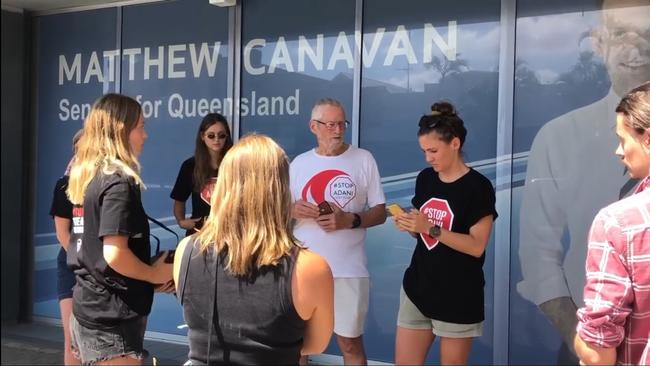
{"points": [[65, 277]]}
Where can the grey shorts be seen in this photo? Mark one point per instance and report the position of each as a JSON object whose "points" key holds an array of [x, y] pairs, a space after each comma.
{"points": [[410, 317], [94, 345]]}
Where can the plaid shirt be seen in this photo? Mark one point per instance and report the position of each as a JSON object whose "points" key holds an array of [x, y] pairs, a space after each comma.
{"points": [[617, 292]]}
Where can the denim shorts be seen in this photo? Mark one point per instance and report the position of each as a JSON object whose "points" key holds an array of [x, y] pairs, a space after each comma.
{"points": [[65, 280], [94, 345]]}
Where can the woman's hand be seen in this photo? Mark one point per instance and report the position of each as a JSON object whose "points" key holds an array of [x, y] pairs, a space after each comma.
{"points": [[189, 224], [413, 222], [168, 288], [161, 271]]}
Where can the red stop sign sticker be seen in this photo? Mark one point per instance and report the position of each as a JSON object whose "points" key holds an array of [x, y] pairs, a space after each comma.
{"points": [[438, 212], [206, 192]]}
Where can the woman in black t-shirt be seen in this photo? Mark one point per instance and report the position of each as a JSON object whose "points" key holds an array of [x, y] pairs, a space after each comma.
{"points": [[115, 280], [442, 290], [198, 173], [61, 212]]}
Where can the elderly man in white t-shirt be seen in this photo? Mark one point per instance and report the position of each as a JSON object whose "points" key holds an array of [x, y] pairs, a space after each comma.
{"points": [[344, 181]]}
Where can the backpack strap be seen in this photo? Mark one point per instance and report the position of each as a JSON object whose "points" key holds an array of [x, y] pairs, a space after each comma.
{"points": [[164, 227], [185, 268]]}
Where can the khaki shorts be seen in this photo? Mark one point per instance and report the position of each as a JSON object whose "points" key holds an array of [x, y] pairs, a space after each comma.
{"points": [[350, 305], [410, 317]]}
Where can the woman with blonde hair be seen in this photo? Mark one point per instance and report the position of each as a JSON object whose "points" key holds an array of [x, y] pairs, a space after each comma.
{"points": [[250, 293], [115, 281], [61, 212]]}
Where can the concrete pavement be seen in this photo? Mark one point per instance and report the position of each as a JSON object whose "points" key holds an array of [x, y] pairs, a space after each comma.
{"points": [[41, 343]]}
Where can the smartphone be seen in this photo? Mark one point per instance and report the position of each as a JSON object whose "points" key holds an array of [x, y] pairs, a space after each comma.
{"points": [[324, 208], [394, 209]]}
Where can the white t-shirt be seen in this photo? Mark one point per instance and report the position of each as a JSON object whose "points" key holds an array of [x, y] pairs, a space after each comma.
{"points": [[351, 181]]}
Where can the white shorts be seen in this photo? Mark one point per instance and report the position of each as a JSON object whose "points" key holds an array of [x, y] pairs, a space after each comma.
{"points": [[350, 305]]}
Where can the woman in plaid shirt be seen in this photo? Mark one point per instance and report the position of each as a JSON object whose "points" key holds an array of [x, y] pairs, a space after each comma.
{"points": [[614, 324]]}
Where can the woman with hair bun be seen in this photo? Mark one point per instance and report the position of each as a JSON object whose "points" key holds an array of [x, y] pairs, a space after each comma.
{"points": [[442, 289]]}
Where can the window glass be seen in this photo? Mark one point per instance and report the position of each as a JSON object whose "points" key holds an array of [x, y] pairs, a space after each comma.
{"points": [[289, 62], [574, 62], [75, 65], [414, 55], [175, 64]]}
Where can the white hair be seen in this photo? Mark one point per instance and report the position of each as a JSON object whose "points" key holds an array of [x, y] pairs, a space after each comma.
{"points": [[316, 113]]}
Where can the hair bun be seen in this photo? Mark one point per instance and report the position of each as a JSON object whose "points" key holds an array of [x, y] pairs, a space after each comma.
{"points": [[443, 109]]}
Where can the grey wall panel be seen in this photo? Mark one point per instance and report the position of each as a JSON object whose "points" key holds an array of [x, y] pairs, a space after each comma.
{"points": [[12, 159]]}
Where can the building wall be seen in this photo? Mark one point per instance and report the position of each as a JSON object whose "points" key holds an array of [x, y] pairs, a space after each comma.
{"points": [[535, 83], [13, 164]]}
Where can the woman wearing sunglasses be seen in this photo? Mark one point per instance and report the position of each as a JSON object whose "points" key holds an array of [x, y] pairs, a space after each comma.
{"points": [[198, 174]]}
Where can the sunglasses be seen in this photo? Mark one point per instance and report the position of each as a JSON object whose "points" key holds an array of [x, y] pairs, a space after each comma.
{"points": [[220, 136]]}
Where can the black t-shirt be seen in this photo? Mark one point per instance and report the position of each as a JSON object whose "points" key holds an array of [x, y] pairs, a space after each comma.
{"points": [[184, 187], [61, 205], [103, 297], [443, 283]]}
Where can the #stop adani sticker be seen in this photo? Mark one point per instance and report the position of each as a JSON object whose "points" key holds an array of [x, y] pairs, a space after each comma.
{"points": [[336, 183], [437, 212]]}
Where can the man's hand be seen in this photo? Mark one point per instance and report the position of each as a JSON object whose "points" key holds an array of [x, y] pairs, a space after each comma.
{"points": [[337, 220], [304, 210]]}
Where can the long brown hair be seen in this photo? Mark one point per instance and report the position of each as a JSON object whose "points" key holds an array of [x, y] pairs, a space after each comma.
{"points": [[202, 168], [250, 222], [104, 144]]}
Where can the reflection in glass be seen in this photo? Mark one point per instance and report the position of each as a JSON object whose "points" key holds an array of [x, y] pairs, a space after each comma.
{"points": [[68, 83], [288, 63], [573, 68], [176, 88], [414, 55]]}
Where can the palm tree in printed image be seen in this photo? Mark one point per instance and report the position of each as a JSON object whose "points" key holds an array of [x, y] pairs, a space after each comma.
{"points": [[587, 70], [524, 75], [446, 67]]}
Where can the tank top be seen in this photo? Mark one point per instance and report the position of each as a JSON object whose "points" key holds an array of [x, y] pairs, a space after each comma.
{"points": [[254, 320]]}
